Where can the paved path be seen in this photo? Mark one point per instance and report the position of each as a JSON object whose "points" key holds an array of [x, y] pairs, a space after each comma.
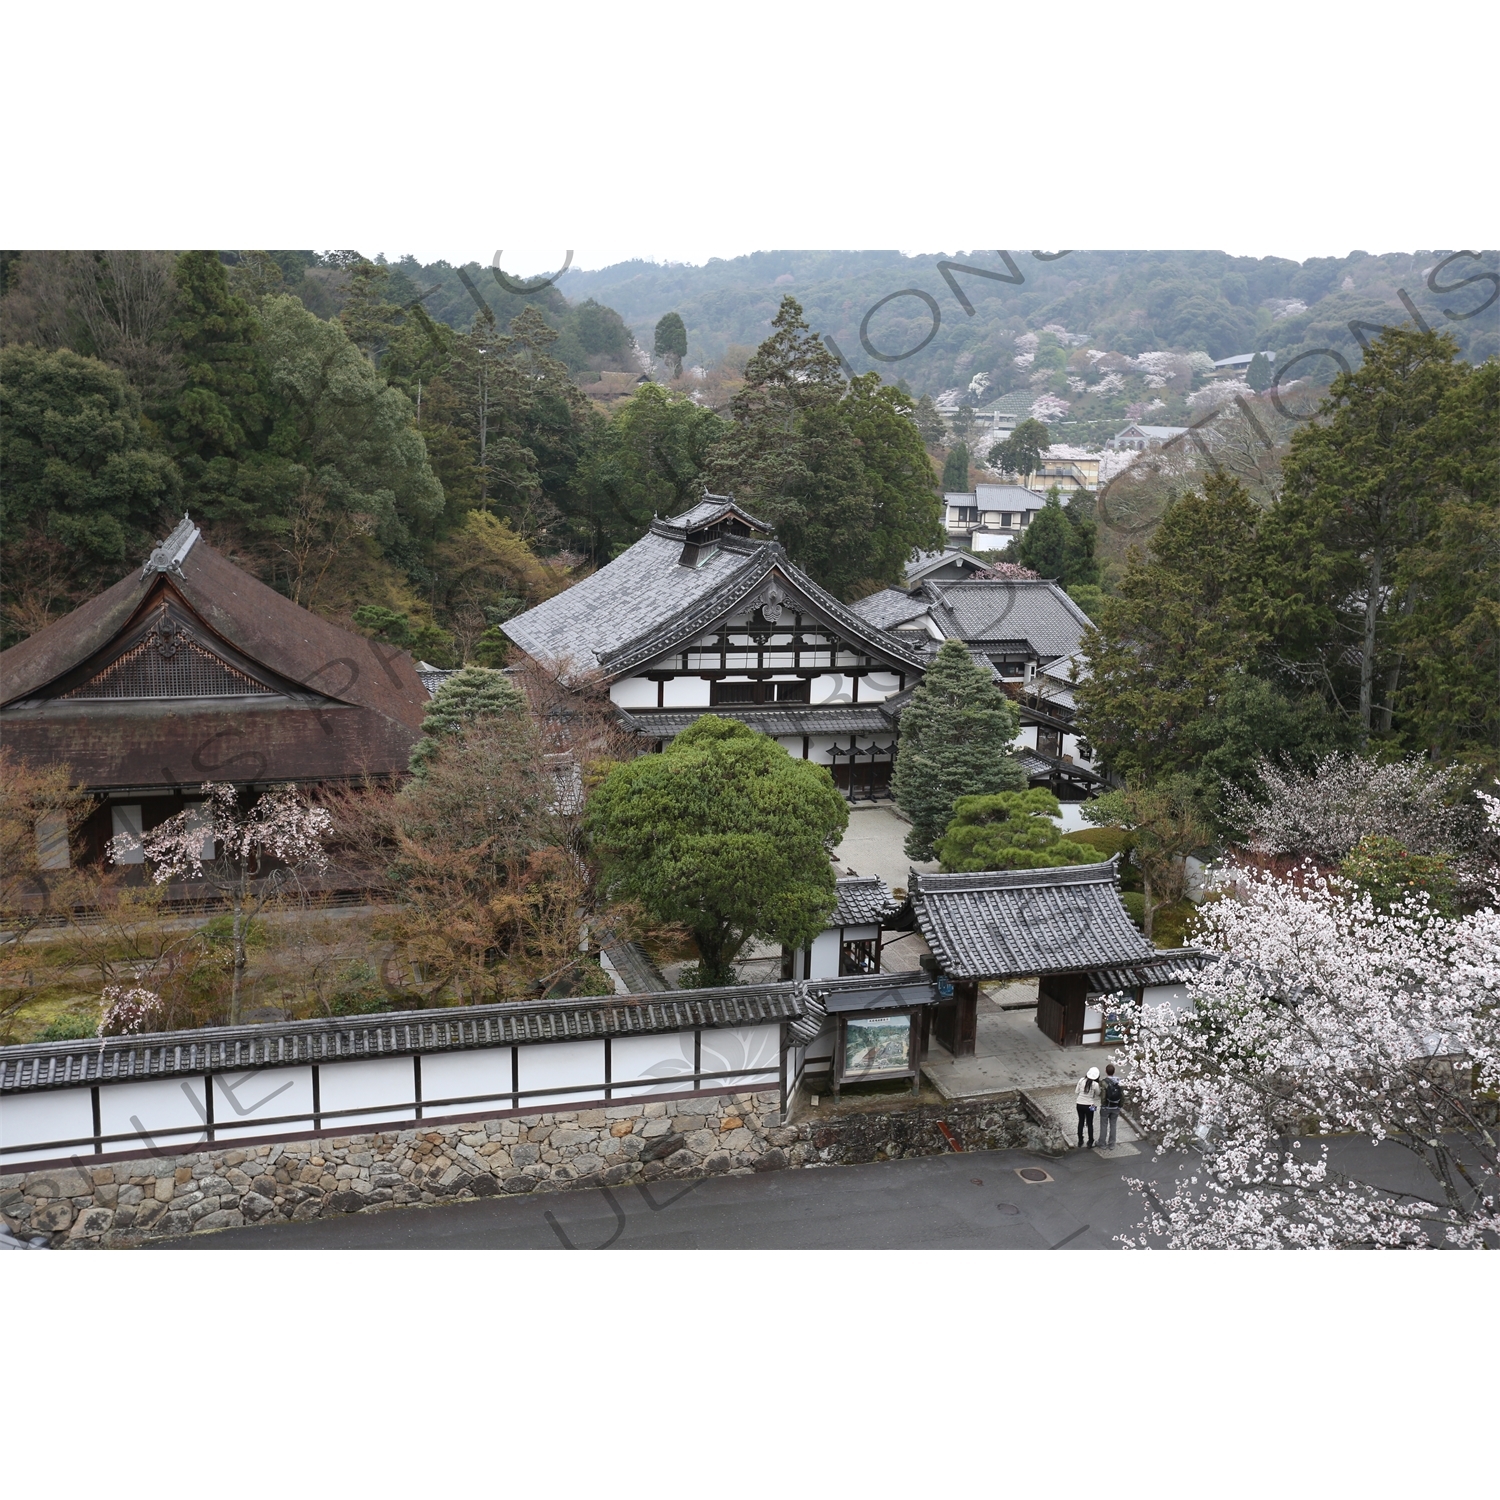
{"points": [[969, 1201], [872, 845]]}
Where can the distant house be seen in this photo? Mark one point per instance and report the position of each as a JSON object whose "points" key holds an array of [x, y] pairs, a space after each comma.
{"points": [[190, 670], [989, 518], [707, 614], [1140, 437], [1029, 633], [1241, 361]]}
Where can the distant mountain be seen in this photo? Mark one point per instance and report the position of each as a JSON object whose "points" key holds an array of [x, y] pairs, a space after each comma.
{"points": [[1129, 302]]}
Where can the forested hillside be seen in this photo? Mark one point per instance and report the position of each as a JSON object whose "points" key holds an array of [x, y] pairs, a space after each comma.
{"points": [[385, 449]]}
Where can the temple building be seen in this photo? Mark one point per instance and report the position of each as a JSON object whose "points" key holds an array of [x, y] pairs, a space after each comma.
{"points": [[190, 670], [706, 613], [1030, 633]]}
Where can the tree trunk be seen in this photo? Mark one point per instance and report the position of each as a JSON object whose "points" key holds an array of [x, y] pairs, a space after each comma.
{"points": [[1367, 659], [1150, 912], [238, 973]]}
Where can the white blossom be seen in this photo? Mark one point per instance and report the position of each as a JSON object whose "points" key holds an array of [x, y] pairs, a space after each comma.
{"points": [[1026, 350], [1326, 1019], [129, 1011], [1047, 407]]}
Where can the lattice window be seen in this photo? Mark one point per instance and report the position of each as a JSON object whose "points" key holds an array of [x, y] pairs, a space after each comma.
{"points": [[182, 670]]}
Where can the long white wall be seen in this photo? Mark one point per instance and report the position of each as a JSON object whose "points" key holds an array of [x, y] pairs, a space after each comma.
{"points": [[176, 1113]]}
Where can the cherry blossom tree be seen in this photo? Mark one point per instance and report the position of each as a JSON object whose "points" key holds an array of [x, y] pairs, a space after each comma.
{"points": [[1326, 1018], [230, 849]]}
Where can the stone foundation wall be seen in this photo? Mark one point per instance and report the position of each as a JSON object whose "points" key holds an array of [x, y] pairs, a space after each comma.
{"points": [[124, 1203]]}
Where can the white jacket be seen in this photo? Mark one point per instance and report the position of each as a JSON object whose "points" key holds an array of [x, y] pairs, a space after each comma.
{"points": [[1082, 1092]]}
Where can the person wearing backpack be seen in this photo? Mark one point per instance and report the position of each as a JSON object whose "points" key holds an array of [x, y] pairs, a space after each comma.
{"points": [[1109, 1112], [1086, 1097]]}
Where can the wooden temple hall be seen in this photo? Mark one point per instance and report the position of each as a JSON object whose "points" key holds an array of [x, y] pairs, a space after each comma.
{"points": [[190, 670], [1066, 927], [707, 614]]}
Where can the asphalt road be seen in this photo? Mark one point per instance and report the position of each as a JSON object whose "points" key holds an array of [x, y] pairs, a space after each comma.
{"points": [[968, 1201]]}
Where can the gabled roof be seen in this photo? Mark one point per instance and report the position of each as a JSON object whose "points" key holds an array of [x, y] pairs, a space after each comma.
{"points": [[862, 900], [712, 508], [256, 621], [891, 608], [649, 601], [1009, 609], [1011, 924], [925, 563]]}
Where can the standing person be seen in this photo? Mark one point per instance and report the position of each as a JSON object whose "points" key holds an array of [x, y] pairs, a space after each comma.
{"points": [[1086, 1097], [1109, 1111]]}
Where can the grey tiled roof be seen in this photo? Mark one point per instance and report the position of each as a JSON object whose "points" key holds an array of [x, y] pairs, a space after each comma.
{"points": [[710, 508], [1013, 609], [862, 899], [1010, 924], [52, 1065], [634, 966], [1037, 765], [889, 608], [661, 724], [1169, 966], [931, 562], [646, 603]]}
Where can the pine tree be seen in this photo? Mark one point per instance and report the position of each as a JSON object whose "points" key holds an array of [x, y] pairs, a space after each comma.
{"points": [[1258, 376], [465, 698], [956, 735]]}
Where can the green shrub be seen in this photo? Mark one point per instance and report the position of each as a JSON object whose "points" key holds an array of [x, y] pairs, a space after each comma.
{"points": [[69, 1029], [1009, 831], [357, 991], [1135, 905], [1111, 841], [218, 932]]}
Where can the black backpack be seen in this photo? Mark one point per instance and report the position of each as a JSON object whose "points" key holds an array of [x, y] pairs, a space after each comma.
{"points": [[1114, 1095]]}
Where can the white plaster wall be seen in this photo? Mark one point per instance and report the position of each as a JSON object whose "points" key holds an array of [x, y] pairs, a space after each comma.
{"points": [[633, 692], [825, 955], [243, 1100], [685, 692], [1072, 817], [142, 1110], [878, 686], [666, 1060], [831, 687], [484, 1072], [366, 1084], [559, 1064], [57, 1115]]}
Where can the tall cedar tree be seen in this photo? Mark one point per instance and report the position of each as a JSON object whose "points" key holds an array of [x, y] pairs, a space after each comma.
{"points": [[1360, 501], [849, 505], [956, 470], [956, 735], [724, 834], [1183, 623]]}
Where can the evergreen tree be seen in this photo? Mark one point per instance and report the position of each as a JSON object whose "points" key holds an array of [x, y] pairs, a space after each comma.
{"points": [[956, 470], [956, 734], [1258, 376], [671, 340], [369, 317], [1010, 831], [1359, 501], [468, 696], [85, 493], [1021, 453], [838, 469], [1059, 543], [929, 421], [724, 834]]}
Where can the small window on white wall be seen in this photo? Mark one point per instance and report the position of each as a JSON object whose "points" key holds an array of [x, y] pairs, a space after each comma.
{"points": [[52, 841], [126, 818]]}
